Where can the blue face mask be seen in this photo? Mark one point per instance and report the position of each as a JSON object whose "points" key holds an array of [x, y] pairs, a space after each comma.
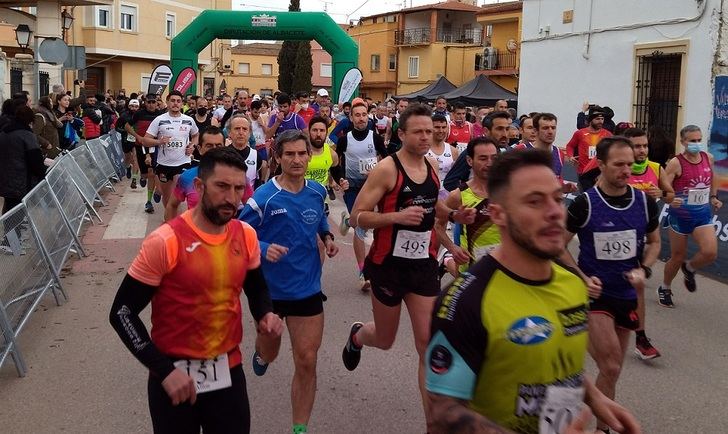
{"points": [[694, 148]]}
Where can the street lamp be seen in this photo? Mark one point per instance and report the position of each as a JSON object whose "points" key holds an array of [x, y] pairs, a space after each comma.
{"points": [[66, 22], [22, 35]]}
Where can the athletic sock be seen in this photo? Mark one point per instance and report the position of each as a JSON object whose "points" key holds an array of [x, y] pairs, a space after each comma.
{"points": [[665, 286], [640, 333], [361, 266], [299, 428], [135, 175], [150, 193], [689, 267]]}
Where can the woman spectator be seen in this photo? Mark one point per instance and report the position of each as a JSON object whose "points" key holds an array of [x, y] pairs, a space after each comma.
{"points": [[68, 132], [45, 127], [21, 160]]}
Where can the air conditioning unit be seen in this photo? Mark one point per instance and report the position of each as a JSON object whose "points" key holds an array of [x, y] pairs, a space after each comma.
{"points": [[490, 58]]}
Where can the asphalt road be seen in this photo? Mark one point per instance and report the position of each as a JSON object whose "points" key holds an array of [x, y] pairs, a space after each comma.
{"points": [[82, 380]]}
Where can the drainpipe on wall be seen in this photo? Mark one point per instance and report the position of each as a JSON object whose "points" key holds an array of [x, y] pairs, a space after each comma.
{"points": [[447, 47], [587, 44]]}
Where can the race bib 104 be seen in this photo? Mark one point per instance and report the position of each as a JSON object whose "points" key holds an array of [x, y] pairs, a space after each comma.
{"points": [[412, 245], [698, 196], [209, 375], [366, 165], [615, 246]]}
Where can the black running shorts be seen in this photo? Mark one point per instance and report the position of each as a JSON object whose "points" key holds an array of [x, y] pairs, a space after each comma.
{"points": [[624, 312], [390, 284], [309, 306]]}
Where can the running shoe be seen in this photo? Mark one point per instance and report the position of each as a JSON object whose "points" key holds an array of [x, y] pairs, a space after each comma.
{"points": [[344, 225], [128, 172], [665, 297], [143, 182], [149, 208], [259, 366], [157, 196], [364, 284], [133, 184], [644, 350], [689, 278], [352, 354]]}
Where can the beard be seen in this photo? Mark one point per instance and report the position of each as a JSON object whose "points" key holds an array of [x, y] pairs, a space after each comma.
{"points": [[212, 213], [318, 143], [526, 242]]}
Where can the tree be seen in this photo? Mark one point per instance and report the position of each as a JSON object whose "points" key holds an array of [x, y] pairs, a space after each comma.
{"points": [[304, 68], [287, 57]]}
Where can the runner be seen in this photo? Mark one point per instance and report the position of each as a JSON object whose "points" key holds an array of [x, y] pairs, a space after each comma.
{"points": [[648, 177], [288, 215], [461, 131], [401, 264], [359, 151], [394, 142], [582, 148], [509, 337], [382, 123], [194, 359], [618, 229], [201, 116], [128, 141], [219, 113], [441, 108], [302, 107], [495, 126], [146, 156], [691, 212], [528, 133], [259, 128], [238, 127], [323, 158], [481, 237], [210, 138], [175, 135], [441, 151]]}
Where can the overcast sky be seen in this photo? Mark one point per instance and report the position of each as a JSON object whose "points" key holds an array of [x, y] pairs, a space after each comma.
{"points": [[340, 11]]}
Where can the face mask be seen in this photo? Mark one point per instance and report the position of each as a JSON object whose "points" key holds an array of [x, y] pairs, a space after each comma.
{"points": [[639, 167], [201, 111], [694, 148], [304, 106]]}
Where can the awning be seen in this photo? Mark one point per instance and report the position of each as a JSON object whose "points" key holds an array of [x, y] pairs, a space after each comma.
{"points": [[480, 91], [438, 87]]}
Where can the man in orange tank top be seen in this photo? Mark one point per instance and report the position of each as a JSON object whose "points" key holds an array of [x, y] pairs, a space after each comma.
{"points": [[192, 270]]}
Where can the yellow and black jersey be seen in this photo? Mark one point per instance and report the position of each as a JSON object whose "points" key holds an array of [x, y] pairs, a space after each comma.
{"points": [[500, 341]]}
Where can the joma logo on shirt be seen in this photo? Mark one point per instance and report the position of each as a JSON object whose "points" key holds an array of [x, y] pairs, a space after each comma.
{"points": [[278, 211]]}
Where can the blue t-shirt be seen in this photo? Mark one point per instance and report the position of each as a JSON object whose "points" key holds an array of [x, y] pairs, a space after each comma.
{"points": [[291, 220]]}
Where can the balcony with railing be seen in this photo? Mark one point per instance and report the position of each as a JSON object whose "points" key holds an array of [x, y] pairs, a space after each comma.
{"points": [[423, 35], [492, 62]]}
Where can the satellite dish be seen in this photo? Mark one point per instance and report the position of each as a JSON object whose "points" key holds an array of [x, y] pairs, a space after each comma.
{"points": [[53, 50]]}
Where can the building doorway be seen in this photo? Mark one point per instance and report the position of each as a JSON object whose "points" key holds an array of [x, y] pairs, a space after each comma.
{"points": [[95, 80], [657, 91]]}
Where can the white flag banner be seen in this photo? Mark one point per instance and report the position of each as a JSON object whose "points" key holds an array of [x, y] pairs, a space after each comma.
{"points": [[351, 81]]}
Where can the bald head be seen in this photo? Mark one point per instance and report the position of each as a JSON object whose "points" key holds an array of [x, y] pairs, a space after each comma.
{"points": [[501, 105]]}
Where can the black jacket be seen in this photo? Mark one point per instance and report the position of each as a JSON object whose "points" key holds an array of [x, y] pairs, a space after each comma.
{"points": [[21, 161]]}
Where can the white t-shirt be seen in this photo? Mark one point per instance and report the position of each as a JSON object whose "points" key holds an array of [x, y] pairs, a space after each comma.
{"points": [[257, 131], [178, 129], [219, 113]]}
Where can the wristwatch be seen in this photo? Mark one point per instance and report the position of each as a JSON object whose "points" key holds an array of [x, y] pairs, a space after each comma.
{"points": [[451, 216]]}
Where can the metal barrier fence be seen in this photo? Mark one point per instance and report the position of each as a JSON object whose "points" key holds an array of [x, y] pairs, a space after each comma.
{"points": [[40, 233]]}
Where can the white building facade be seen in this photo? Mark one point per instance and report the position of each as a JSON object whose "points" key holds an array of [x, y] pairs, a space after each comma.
{"points": [[652, 61]]}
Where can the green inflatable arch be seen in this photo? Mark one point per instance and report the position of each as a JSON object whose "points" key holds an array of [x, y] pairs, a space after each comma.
{"points": [[258, 25]]}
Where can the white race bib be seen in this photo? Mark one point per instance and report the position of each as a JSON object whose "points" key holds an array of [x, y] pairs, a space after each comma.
{"points": [[698, 196], [484, 250], [462, 147], [366, 165], [175, 144], [412, 245], [209, 375], [615, 246], [592, 152], [560, 407]]}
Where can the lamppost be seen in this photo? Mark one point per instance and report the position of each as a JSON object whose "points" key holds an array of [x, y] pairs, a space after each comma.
{"points": [[23, 35], [66, 22]]}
